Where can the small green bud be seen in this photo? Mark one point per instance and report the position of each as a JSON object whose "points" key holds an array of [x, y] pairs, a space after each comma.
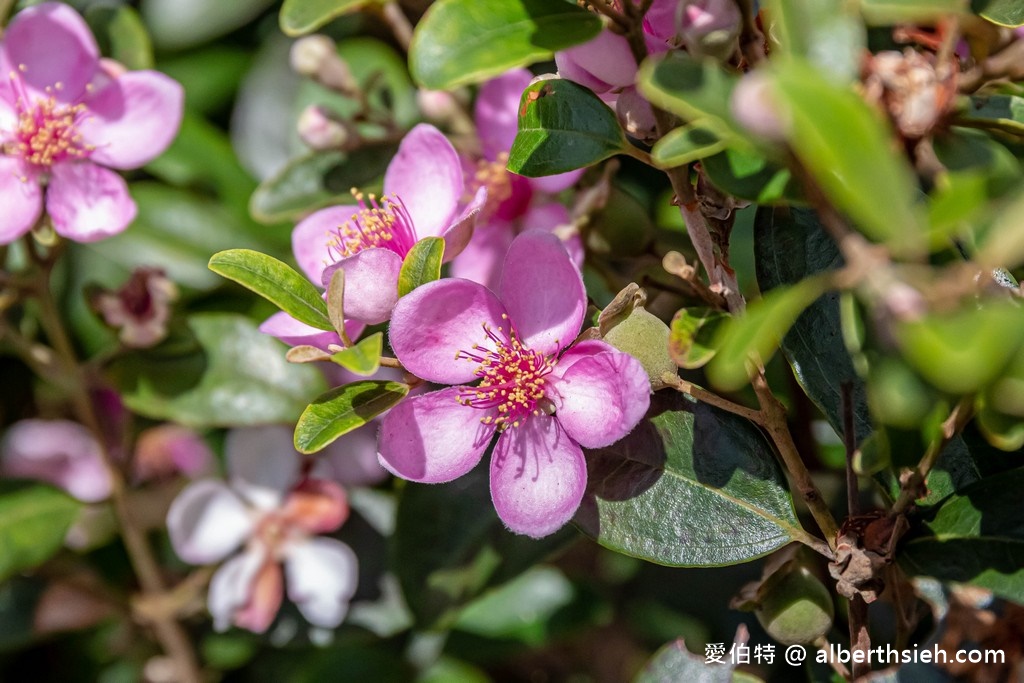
{"points": [[627, 326]]}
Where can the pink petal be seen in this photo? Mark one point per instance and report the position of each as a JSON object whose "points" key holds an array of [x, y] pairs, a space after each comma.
{"points": [[231, 586], [294, 333], [538, 476], [371, 284], [497, 111], [60, 452], [436, 320], [543, 292], [55, 46], [312, 235], [433, 438], [483, 257], [207, 521], [266, 590], [600, 397], [546, 216], [88, 202], [318, 506], [602, 64], [458, 234], [21, 198], [321, 575], [426, 175], [133, 119], [262, 464], [556, 183]]}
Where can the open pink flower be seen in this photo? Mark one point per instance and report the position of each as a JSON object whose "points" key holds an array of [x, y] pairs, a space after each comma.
{"points": [[277, 517], [369, 240], [543, 404], [66, 118], [60, 452]]}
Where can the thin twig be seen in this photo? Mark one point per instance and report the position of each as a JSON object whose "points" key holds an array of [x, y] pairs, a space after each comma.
{"points": [[691, 389], [860, 639], [399, 24]]}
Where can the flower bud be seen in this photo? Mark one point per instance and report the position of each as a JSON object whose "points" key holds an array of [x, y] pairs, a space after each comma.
{"points": [[754, 107], [438, 106], [320, 131], [709, 27], [317, 57]]}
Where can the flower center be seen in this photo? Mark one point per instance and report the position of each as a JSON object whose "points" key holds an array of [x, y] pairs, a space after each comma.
{"points": [[496, 178], [385, 223], [511, 378], [46, 131]]}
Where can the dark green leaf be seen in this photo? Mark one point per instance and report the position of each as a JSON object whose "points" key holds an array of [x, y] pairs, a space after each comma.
{"points": [[299, 17], [343, 409], [276, 282], [975, 537], [231, 375], [562, 127], [450, 546], [969, 150], [121, 35], [690, 336], [363, 358], [1003, 12], [421, 265], [468, 41], [685, 145], [33, 522], [644, 491], [748, 175], [1005, 112], [696, 90]]}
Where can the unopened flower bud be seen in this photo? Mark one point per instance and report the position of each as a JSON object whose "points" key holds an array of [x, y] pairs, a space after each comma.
{"points": [[709, 27], [438, 106], [754, 107], [321, 131], [317, 57], [140, 309], [168, 449]]}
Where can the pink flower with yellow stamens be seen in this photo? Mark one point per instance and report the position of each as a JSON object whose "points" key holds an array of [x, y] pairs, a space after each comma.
{"points": [[369, 240], [66, 118], [543, 399]]}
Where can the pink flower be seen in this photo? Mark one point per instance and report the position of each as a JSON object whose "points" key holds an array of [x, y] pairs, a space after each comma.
{"points": [[514, 203], [66, 117], [542, 403], [59, 452], [169, 449], [277, 517], [422, 188]]}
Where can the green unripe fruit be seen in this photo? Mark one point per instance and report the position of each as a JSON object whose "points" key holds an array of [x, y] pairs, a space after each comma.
{"points": [[795, 607], [639, 333]]}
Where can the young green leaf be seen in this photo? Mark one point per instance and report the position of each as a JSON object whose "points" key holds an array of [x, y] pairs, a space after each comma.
{"points": [[685, 145], [421, 265], [468, 41], [276, 282], [363, 358], [691, 334], [343, 409], [33, 522], [299, 17], [694, 89], [562, 126]]}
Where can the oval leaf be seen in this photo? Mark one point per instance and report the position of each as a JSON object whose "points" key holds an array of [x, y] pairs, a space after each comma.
{"points": [[276, 282], [363, 358], [690, 336], [343, 409], [691, 88], [691, 486], [685, 145], [299, 17], [562, 127], [33, 522], [468, 41], [421, 265]]}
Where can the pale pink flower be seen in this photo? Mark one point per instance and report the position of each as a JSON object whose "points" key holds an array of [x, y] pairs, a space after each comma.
{"points": [[541, 397], [169, 449], [369, 240], [277, 516], [140, 309], [66, 118], [59, 452]]}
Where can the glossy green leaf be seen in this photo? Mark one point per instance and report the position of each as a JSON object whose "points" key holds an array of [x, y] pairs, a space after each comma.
{"points": [[975, 537], [758, 332], [121, 35], [276, 282], [888, 12], [468, 41], [228, 374], [421, 265], [694, 89], [868, 180], [450, 547], [683, 457], [674, 662], [34, 519], [748, 175], [316, 180], [691, 334], [363, 358], [343, 409], [562, 127], [1003, 12], [299, 17], [685, 145]]}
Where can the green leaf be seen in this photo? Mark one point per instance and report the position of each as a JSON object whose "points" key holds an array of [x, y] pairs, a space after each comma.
{"points": [[521, 609], [458, 42], [1002, 244], [450, 547], [363, 358], [830, 36], [694, 89], [276, 282], [421, 265], [316, 180], [889, 12], [1004, 112], [121, 35], [299, 17], [176, 25], [685, 145], [644, 491], [336, 301], [759, 331], [230, 374], [868, 181], [1003, 12], [343, 409], [748, 175], [673, 662], [975, 537], [33, 522], [562, 127], [1005, 432], [691, 334], [209, 75]]}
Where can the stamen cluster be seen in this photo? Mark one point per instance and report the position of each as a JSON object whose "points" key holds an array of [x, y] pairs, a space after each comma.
{"points": [[378, 223], [47, 132], [496, 178]]}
